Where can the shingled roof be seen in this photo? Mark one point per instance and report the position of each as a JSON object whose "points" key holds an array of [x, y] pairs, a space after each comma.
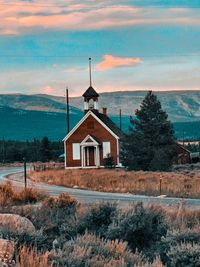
{"points": [[90, 92], [110, 124]]}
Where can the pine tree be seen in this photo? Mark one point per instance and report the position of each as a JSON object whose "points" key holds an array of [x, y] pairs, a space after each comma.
{"points": [[150, 146], [45, 153]]}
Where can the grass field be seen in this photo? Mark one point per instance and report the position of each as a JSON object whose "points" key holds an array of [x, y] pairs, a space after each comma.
{"points": [[185, 184]]}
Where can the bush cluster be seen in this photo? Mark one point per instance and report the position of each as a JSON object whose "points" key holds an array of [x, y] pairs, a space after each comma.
{"points": [[8, 196], [74, 235]]}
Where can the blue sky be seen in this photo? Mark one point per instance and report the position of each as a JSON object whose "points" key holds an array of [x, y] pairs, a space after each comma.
{"points": [[134, 45]]}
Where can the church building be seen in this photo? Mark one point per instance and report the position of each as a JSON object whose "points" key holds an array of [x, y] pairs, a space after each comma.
{"points": [[94, 138]]}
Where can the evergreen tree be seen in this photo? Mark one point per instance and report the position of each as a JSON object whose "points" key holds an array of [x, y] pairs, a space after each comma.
{"points": [[151, 142], [45, 149]]}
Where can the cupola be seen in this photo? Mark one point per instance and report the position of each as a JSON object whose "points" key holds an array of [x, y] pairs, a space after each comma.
{"points": [[90, 96]]}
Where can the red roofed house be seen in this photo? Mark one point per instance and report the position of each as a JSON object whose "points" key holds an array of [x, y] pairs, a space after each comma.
{"points": [[93, 138]]}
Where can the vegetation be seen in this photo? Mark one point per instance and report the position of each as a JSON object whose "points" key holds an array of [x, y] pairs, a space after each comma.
{"points": [[150, 146], [30, 257], [8, 196], [36, 150], [185, 184], [104, 234]]}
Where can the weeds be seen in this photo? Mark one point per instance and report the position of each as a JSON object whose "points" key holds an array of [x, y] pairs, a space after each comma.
{"points": [[9, 196], [172, 184]]}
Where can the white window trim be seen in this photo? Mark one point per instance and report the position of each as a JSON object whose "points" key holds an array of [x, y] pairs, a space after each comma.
{"points": [[76, 152], [106, 149]]}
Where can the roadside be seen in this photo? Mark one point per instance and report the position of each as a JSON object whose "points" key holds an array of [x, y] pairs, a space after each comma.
{"points": [[185, 184], [88, 196]]}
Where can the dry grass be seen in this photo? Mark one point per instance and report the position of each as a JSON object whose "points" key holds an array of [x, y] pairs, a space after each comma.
{"points": [[8, 196], [173, 184], [28, 257]]}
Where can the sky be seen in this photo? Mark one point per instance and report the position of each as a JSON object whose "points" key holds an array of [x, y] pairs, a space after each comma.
{"points": [[134, 45]]}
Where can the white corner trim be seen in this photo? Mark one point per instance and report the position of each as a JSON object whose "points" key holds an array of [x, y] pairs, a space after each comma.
{"points": [[83, 119], [89, 137]]}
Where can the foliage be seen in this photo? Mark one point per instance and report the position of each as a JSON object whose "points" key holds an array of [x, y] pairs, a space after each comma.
{"points": [[30, 257], [184, 254], [45, 149], [92, 251], [151, 142], [175, 238], [109, 162], [25, 239], [98, 218], [36, 150], [122, 181], [10, 197], [56, 217], [140, 227]]}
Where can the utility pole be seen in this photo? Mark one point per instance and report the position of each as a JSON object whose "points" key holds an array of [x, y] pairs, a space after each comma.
{"points": [[25, 174], [67, 102], [4, 151], [120, 119], [160, 185], [183, 138]]}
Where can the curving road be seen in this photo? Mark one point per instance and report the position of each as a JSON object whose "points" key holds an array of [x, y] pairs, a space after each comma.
{"points": [[87, 196]]}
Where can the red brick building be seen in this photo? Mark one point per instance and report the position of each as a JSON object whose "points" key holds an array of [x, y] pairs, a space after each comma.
{"points": [[93, 138]]}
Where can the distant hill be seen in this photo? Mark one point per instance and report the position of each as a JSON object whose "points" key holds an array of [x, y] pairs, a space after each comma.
{"points": [[34, 116], [19, 124], [181, 106]]}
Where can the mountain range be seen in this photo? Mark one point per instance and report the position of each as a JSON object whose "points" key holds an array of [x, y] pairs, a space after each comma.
{"points": [[33, 116]]}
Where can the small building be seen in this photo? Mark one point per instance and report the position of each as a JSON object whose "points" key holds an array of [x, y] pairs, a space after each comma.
{"points": [[183, 155], [94, 138]]}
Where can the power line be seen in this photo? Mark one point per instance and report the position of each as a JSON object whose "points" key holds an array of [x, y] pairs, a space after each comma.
{"points": [[63, 5], [97, 56]]}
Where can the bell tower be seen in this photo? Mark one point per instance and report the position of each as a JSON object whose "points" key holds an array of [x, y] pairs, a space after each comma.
{"points": [[90, 95]]}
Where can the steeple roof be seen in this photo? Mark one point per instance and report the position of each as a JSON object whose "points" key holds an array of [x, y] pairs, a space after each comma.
{"points": [[90, 92]]}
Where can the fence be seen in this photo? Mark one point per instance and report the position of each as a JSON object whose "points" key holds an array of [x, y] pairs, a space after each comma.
{"points": [[39, 166]]}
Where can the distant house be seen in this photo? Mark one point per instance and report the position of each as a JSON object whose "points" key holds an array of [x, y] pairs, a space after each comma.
{"points": [[93, 138], [183, 155]]}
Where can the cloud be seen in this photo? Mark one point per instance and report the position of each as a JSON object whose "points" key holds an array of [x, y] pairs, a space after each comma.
{"points": [[48, 90], [92, 15], [111, 62], [74, 70]]}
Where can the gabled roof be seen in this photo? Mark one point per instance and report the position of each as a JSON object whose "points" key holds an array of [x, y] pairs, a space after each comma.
{"points": [[108, 122], [90, 92], [183, 148], [103, 120]]}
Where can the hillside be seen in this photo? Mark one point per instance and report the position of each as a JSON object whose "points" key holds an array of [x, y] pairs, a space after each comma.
{"points": [[181, 106], [18, 124], [34, 116]]}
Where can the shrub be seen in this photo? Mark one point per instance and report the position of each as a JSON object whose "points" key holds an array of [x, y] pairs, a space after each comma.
{"points": [[98, 218], [10, 197], [140, 227], [54, 217], [30, 257], [54, 211], [28, 195], [109, 162], [24, 239], [6, 193], [176, 238], [89, 250], [184, 254]]}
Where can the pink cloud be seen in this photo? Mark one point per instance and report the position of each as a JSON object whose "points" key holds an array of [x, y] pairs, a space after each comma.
{"points": [[74, 70], [48, 90], [110, 62], [87, 16]]}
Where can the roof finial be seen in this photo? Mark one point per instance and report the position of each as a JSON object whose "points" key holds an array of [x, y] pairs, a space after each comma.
{"points": [[90, 70]]}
